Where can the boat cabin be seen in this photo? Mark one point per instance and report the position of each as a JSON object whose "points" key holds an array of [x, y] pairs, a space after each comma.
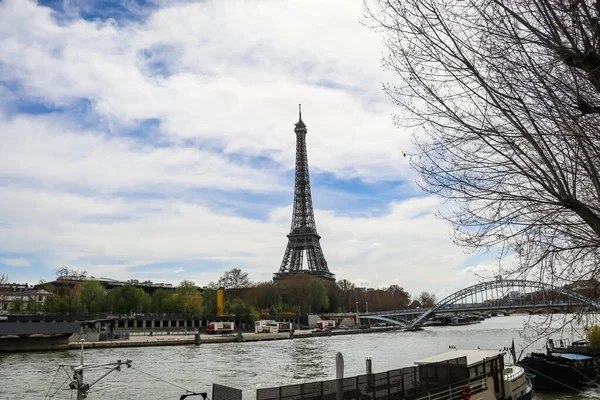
{"points": [[565, 346], [485, 371]]}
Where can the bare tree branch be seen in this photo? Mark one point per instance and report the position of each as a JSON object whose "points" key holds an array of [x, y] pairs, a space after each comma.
{"points": [[507, 95]]}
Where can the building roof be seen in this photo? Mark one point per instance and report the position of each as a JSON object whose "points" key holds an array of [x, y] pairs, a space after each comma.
{"points": [[473, 356], [35, 292]]}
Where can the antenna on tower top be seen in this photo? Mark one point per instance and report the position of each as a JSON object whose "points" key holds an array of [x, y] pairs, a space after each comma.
{"points": [[300, 110]]}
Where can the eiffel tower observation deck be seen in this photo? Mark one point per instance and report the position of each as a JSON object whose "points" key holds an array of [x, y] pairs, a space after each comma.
{"points": [[303, 237]]}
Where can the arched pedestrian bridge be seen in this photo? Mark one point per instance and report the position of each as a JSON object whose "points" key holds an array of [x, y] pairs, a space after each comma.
{"points": [[501, 296]]}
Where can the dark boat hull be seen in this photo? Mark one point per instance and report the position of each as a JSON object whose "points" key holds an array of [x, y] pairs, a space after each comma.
{"points": [[554, 373]]}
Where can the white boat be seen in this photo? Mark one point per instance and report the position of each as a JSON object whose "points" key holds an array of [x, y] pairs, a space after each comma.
{"points": [[517, 385], [488, 378]]}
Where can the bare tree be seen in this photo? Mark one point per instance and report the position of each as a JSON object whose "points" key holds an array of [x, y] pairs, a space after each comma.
{"points": [[65, 272], [426, 299], [235, 278], [503, 97], [345, 285]]}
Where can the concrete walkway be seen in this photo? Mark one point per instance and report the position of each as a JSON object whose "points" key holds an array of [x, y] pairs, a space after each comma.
{"points": [[172, 340]]}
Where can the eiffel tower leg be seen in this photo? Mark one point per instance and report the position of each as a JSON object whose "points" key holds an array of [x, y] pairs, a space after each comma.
{"points": [[297, 258], [320, 258], [286, 259], [312, 260]]}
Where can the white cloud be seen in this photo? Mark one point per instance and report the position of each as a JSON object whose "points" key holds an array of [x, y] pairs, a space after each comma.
{"points": [[220, 90], [76, 190], [15, 262], [51, 149]]}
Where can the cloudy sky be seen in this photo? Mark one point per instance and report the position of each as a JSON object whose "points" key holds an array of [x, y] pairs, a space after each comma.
{"points": [[154, 140]]}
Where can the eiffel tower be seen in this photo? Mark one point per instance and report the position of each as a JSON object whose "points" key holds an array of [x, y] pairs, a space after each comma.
{"points": [[303, 236]]}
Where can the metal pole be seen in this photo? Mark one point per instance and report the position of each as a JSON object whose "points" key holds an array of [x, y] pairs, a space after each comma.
{"points": [[357, 307], [369, 373], [339, 366], [339, 375], [80, 376]]}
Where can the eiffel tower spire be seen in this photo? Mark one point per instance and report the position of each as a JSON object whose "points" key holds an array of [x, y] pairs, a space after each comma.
{"points": [[303, 236]]}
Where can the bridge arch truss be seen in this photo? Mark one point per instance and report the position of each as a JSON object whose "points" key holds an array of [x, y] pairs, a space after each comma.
{"points": [[502, 288]]}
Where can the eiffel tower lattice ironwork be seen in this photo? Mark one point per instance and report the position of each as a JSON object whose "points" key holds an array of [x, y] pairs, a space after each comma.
{"points": [[303, 236]]}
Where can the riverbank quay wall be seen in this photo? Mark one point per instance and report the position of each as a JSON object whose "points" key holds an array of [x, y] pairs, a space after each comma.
{"points": [[190, 339]]}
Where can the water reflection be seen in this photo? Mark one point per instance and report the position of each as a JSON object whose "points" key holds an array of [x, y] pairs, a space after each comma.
{"points": [[307, 361]]}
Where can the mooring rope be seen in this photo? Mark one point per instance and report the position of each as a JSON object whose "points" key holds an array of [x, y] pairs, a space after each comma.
{"points": [[55, 375], [61, 385], [163, 380]]}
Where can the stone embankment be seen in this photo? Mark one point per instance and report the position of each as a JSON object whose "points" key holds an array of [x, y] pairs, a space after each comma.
{"points": [[173, 340]]}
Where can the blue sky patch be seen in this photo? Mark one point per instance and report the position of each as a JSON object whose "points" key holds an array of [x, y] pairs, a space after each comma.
{"points": [[90, 10]]}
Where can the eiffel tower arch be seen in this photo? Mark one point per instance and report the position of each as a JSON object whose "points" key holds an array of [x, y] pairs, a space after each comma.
{"points": [[303, 237]]}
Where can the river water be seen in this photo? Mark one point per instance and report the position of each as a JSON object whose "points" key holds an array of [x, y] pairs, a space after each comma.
{"points": [[249, 366]]}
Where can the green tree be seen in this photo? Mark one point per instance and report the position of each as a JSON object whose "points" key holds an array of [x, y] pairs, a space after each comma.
{"points": [[252, 314], [209, 298], [593, 336], [191, 299], [128, 299], [186, 288], [192, 303], [175, 303], [317, 295], [235, 306], [57, 305], [335, 295], [92, 296], [17, 306], [159, 300], [32, 307]]}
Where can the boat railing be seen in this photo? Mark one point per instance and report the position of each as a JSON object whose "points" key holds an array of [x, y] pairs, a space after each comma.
{"points": [[512, 373], [455, 391]]}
